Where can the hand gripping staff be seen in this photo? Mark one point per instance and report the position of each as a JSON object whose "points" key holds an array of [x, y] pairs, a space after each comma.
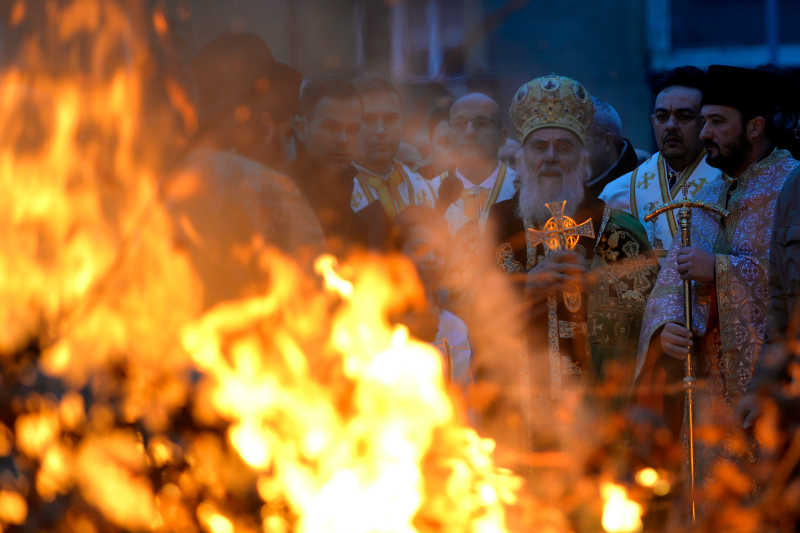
{"points": [[684, 208]]}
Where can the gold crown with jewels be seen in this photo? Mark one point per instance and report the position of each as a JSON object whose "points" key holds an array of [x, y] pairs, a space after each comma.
{"points": [[552, 102]]}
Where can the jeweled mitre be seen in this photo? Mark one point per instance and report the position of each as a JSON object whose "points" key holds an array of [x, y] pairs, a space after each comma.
{"points": [[552, 101]]}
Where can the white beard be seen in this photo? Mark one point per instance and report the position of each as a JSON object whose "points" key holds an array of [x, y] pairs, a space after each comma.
{"points": [[533, 195]]}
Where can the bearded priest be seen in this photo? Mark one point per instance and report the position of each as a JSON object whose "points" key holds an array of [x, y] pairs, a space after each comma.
{"points": [[727, 264], [584, 268]]}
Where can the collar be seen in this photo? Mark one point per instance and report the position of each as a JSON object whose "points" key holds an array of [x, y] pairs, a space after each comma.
{"points": [[488, 183], [382, 176], [602, 176], [766, 159]]}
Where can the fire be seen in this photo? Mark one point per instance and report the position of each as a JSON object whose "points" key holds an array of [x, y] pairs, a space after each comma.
{"points": [[295, 409], [620, 515], [13, 508], [647, 477], [650, 478], [342, 433]]}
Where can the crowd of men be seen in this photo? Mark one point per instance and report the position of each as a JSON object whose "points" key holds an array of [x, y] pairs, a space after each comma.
{"points": [[321, 170]]}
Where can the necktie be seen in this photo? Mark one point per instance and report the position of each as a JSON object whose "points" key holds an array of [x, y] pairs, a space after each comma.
{"points": [[474, 201], [672, 178]]}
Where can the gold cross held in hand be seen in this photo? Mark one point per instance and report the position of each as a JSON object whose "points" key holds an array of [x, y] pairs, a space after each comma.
{"points": [[560, 232]]}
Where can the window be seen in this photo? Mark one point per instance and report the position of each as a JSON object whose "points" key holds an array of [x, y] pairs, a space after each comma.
{"points": [[414, 40], [734, 32]]}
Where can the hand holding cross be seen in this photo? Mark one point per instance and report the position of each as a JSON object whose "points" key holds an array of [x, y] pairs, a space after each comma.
{"points": [[563, 270]]}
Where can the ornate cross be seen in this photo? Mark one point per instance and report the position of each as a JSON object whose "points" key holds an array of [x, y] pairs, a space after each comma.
{"points": [[560, 232], [696, 186], [646, 179]]}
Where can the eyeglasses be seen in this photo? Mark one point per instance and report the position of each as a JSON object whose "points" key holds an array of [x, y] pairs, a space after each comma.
{"points": [[479, 124]]}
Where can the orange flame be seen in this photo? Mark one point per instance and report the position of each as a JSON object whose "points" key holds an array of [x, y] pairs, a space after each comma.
{"points": [[620, 515], [338, 420], [347, 457]]}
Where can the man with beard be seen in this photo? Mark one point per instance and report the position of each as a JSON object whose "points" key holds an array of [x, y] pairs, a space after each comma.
{"points": [[727, 263], [676, 124], [584, 267], [610, 155], [328, 130], [379, 175]]}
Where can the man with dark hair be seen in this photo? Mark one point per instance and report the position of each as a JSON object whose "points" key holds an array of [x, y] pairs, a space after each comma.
{"points": [[680, 160], [610, 155], [787, 119], [328, 130], [380, 176], [727, 263], [329, 123], [246, 100]]}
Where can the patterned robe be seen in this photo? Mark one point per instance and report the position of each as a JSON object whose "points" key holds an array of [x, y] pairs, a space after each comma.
{"points": [[647, 187], [583, 332], [729, 315]]}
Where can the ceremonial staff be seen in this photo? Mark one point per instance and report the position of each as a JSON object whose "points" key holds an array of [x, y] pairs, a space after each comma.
{"points": [[684, 208], [448, 361]]}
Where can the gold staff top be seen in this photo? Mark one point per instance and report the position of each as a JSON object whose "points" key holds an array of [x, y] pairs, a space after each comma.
{"points": [[684, 204]]}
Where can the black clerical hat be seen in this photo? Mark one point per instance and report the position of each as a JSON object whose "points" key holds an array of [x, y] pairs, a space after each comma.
{"points": [[749, 91], [235, 67]]}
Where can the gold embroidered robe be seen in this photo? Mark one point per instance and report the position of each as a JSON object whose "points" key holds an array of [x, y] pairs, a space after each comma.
{"points": [[728, 315], [580, 341]]}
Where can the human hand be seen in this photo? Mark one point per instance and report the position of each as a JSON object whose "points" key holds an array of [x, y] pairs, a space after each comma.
{"points": [[749, 410], [563, 270], [696, 264], [676, 340]]}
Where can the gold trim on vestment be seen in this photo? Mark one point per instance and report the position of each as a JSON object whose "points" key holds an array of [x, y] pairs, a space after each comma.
{"points": [[606, 218], [388, 191], [526, 396], [634, 207], [666, 196], [722, 275], [553, 345], [498, 184], [687, 173]]}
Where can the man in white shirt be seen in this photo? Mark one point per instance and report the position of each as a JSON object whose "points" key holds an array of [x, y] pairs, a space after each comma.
{"points": [[476, 136], [681, 158], [380, 176]]}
